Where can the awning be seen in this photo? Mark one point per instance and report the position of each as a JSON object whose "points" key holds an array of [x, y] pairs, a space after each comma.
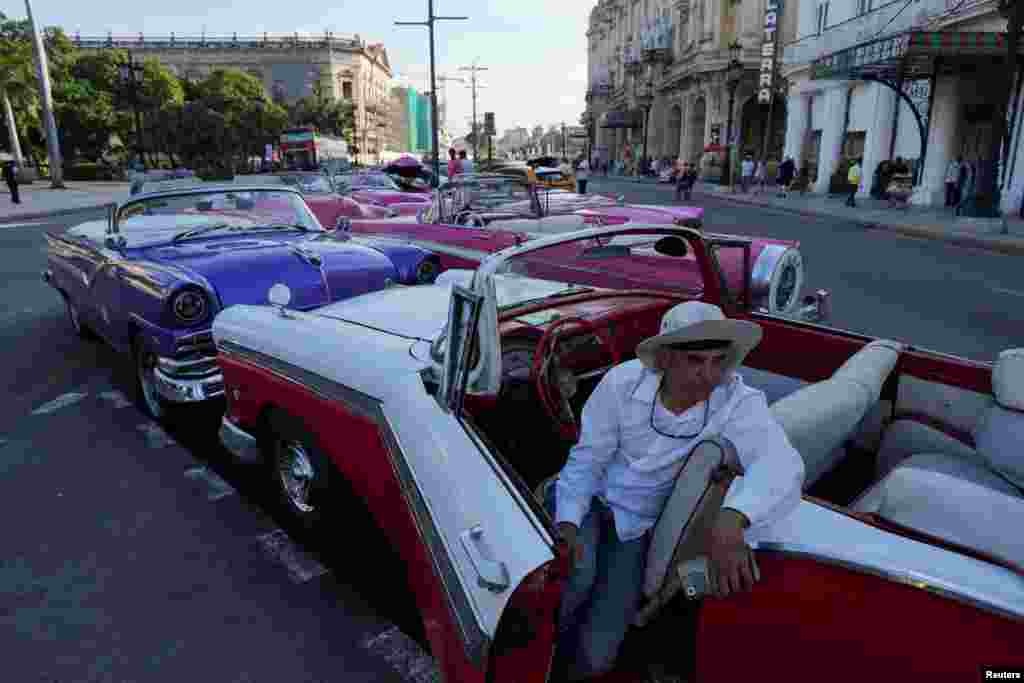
{"points": [[622, 119], [911, 50]]}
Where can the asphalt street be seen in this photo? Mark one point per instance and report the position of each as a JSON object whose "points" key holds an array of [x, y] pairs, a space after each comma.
{"points": [[135, 553]]}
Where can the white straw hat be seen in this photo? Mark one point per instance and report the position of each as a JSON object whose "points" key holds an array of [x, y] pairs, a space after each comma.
{"points": [[698, 321]]}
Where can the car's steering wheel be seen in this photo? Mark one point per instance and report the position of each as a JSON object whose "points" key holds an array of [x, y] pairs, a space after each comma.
{"points": [[544, 362]]}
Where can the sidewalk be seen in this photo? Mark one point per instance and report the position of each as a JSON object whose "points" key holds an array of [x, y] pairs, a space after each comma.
{"points": [[39, 200], [922, 222]]}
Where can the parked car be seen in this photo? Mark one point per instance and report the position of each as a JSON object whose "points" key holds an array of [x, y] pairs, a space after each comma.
{"points": [[331, 208], [380, 189], [481, 214], [448, 424], [151, 277]]}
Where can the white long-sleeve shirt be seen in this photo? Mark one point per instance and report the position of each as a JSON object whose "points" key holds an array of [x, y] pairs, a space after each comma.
{"points": [[620, 459]]}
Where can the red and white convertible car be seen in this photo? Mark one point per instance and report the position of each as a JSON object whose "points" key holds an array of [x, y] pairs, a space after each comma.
{"points": [[446, 407]]}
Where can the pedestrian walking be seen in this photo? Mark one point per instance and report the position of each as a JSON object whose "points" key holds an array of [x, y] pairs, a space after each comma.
{"points": [[760, 176], [746, 173], [465, 163], [953, 181], [681, 179], [453, 163], [853, 176], [11, 178], [787, 169], [582, 175], [689, 180]]}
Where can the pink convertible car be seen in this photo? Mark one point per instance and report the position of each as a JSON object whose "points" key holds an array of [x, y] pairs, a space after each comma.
{"points": [[475, 216]]}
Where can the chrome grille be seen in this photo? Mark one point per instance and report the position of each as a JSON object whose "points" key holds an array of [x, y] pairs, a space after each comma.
{"points": [[195, 356]]}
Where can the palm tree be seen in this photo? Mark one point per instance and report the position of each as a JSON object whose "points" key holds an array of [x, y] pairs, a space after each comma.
{"points": [[16, 78]]}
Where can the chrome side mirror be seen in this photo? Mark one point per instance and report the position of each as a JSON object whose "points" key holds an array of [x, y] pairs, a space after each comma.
{"points": [[621, 199], [343, 224], [816, 308]]}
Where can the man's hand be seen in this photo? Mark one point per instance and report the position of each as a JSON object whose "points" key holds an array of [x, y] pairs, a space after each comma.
{"points": [[731, 562], [568, 531]]}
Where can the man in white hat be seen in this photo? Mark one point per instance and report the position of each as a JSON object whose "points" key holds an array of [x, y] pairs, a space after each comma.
{"points": [[638, 427]]}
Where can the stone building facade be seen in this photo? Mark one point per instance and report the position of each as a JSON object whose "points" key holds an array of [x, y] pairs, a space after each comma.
{"points": [[877, 80], [346, 67], [667, 61]]}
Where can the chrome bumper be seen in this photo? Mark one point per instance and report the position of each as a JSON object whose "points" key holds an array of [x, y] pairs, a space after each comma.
{"points": [[239, 443], [188, 390]]}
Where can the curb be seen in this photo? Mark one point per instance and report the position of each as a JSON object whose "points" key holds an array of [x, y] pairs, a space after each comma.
{"points": [[51, 214], [960, 239]]}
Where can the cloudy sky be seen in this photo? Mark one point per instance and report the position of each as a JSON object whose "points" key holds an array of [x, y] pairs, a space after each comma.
{"points": [[535, 50]]}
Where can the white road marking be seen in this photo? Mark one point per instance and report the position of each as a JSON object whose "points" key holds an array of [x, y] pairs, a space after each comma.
{"points": [[61, 401], [21, 225], [404, 655], [156, 437], [1011, 292], [280, 548], [117, 398], [217, 487]]}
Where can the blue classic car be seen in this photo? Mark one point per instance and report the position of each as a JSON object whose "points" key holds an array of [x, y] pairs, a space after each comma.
{"points": [[151, 277]]}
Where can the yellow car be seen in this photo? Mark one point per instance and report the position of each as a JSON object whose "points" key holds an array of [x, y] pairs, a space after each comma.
{"points": [[552, 178]]}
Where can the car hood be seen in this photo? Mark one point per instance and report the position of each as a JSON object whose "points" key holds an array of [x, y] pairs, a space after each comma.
{"points": [[422, 312], [318, 269], [643, 214]]}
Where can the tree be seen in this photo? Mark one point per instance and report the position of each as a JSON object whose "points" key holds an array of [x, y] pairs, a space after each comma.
{"points": [[17, 79]]}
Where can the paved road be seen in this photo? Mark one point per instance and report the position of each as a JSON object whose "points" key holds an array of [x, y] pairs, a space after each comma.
{"points": [[137, 554], [943, 297]]}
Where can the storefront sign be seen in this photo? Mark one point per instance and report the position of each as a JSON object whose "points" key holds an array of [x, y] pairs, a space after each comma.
{"points": [[765, 86]]}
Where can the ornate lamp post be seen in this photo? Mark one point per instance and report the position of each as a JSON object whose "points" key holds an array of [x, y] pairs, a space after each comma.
{"points": [[131, 79], [733, 76]]}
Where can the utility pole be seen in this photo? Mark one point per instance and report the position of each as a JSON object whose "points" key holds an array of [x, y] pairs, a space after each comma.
{"points": [[429, 23], [473, 70], [46, 100]]}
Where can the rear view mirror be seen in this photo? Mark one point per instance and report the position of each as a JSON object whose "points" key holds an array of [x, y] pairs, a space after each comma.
{"points": [[671, 246]]}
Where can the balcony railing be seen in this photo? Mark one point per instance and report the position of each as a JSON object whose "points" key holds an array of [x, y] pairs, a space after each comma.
{"points": [[890, 19], [266, 41]]}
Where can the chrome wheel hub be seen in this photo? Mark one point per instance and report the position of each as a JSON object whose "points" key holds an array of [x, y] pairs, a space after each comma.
{"points": [[147, 380], [296, 474]]}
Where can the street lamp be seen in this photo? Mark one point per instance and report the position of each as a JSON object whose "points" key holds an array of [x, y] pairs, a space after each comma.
{"points": [[733, 76], [131, 78]]}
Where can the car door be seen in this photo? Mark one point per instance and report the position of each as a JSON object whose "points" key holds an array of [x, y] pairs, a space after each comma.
{"points": [[492, 547], [84, 254]]}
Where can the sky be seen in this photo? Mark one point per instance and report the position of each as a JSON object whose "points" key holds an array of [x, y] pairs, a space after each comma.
{"points": [[535, 51]]}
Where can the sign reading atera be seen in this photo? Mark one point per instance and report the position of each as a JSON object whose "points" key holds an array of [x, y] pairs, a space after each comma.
{"points": [[772, 12]]}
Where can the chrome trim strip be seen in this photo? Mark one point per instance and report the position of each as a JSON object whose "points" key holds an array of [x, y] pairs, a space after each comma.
{"points": [[240, 443], [475, 641], [174, 367], [188, 390], [911, 579]]}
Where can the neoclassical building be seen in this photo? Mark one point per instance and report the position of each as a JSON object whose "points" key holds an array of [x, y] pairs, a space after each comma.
{"points": [[667, 61], [346, 67], [884, 80]]}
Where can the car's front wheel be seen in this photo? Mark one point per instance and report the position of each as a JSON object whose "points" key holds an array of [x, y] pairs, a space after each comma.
{"points": [[155, 405], [299, 471]]}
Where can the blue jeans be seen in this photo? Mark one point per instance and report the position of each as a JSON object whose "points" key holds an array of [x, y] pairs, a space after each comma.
{"points": [[602, 595]]}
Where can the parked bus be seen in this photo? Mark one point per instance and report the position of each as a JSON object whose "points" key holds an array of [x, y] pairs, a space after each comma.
{"points": [[304, 148]]}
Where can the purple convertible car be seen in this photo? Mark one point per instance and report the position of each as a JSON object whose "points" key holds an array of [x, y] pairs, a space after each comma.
{"points": [[150, 278]]}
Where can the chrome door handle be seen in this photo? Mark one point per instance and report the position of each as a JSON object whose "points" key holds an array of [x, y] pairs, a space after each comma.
{"points": [[491, 574]]}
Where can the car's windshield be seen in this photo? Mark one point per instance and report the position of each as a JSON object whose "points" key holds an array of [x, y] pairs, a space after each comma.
{"points": [[157, 219], [309, 183], [365, 181], [626, 261], [484, 195]]}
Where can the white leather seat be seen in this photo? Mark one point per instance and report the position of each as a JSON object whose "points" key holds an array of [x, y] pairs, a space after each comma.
{"points": [[550, 225], [514, 225], [951, 508], [820, 417], [903, 438]]}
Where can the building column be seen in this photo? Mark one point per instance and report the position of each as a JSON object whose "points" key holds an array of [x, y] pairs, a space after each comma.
{"points": [[798, 121], [832, 134], [943, 133], [879, 137]]}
